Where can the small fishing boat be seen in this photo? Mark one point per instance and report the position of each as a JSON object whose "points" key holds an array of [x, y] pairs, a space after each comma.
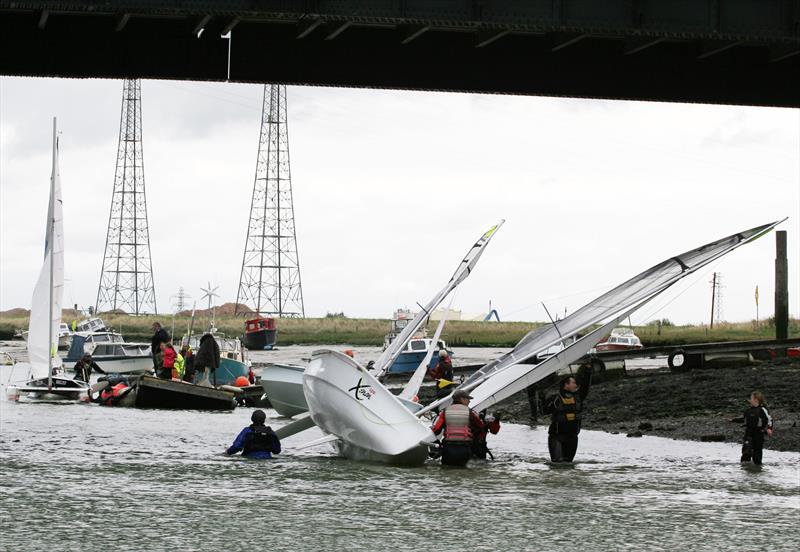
{"points": [[621, 339], [111, 352], [150, 392], [413, 353], [260, 334], [46, 383], [232, 362], [400, 319]]}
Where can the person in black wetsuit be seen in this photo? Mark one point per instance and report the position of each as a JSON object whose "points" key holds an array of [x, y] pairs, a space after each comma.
{"points": [[85, 366], [256, 440], [566, 410], [757, 422]]}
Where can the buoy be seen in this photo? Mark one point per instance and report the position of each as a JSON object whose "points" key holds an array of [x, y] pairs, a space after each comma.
{"points": [[349, 352], [242, 381], [415, 399]]}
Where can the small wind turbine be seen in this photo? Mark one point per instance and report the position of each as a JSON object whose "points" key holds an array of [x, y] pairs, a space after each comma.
{"points": [[210, 293]]}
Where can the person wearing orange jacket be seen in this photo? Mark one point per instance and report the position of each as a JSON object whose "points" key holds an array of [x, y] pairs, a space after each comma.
{"points": [[459, 424]]}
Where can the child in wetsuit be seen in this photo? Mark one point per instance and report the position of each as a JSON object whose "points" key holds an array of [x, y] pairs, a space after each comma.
{"points": [[757, 422]]}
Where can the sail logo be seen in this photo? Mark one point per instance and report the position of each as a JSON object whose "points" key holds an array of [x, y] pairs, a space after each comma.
{"points": [[362, 392]]}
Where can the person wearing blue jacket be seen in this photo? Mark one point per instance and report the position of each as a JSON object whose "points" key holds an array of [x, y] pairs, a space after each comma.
{"points": [[256, 440]]}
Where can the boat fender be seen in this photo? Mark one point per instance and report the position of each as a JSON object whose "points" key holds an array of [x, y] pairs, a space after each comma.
{"points": [[231, 389]]}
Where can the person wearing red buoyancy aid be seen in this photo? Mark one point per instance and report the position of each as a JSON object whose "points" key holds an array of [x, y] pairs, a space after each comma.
{"points": [[442, 374], [111, 395], [459, 423], [566, 408]]}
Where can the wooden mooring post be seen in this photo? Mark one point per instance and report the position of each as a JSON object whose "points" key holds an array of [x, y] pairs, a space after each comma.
{"points": [[781, 287]]}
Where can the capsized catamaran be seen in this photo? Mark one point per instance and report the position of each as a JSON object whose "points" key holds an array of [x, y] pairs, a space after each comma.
{"points": [[284, 387], [45, 319], [366, 421]]}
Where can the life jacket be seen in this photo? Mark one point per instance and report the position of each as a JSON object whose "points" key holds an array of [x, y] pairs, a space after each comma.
{"points": [[179, 365], [260, 439], [111, 395], [446, 369], [567, 413], [456, 424]]}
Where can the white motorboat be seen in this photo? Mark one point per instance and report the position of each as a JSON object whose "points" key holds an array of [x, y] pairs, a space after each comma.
{"points": [[283, 386], [111, 352], [45, 321]]}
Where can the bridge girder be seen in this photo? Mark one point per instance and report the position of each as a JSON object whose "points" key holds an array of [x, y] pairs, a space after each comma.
{"points": [[715, 51]]}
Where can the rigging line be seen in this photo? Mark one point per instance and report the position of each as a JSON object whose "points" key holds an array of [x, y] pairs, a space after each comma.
{"points": [[554, 324], [700, 276]]}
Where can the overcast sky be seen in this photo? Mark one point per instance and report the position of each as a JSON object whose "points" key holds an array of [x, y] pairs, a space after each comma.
{"points": [[391, 188]]}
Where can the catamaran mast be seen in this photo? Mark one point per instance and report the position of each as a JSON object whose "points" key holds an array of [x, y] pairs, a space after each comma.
{"points": [[51, 246]]}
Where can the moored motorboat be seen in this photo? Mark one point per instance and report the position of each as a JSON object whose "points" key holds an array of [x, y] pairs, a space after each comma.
{"points": [[151, 392], [621, 339], [283, 386], [260, 334], [232, 362], [414, 353], [111, 352]]}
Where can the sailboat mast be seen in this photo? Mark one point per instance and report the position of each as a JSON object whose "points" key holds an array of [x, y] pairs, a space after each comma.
{"points": [[51, 246]]}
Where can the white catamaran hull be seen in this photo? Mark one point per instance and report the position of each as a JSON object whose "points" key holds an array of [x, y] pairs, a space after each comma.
{"points": [[372, 424], [283, 386]]}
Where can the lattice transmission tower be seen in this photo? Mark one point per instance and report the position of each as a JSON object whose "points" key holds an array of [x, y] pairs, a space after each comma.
{"points": [[126, 279], [270, 278]]}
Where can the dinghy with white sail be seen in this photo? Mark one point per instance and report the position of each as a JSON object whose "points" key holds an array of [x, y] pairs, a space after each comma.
{"points": [[283, 386], [45, 318], [371, 419], [347, 400]]}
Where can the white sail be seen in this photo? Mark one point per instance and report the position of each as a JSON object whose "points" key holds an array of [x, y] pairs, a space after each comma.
{"points": [[464, 269], [520, 376], [415, 382], [633, 292], [45, 319]]}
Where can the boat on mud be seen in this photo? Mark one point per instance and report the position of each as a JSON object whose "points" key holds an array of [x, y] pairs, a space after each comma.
{"points": [[621, 339], [260, 334]]}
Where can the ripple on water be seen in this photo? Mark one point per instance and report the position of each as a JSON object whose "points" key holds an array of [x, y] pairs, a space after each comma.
{"points": [[155, 480]]}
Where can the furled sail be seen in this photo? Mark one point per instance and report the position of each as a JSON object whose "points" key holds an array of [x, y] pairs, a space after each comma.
{"points": [[464, 269], [45, 319], [633, 292]]}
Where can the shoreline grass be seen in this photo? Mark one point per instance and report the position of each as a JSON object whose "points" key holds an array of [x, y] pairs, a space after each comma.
{"points": [[370, 332]]}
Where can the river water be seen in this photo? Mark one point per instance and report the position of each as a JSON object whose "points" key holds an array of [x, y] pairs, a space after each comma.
{"points": [[74, 476]]}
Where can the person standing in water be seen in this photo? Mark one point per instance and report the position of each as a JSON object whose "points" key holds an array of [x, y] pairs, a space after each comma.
{"points": [[757, 422], [256, 440], [566, 410], [459, 423]]}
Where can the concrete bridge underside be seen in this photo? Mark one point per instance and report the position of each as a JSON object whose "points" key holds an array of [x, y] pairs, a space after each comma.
{"points": [[714, 51]]}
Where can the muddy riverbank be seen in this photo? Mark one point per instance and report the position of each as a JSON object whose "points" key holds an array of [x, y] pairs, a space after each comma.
{"points": [[697, 405]]}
